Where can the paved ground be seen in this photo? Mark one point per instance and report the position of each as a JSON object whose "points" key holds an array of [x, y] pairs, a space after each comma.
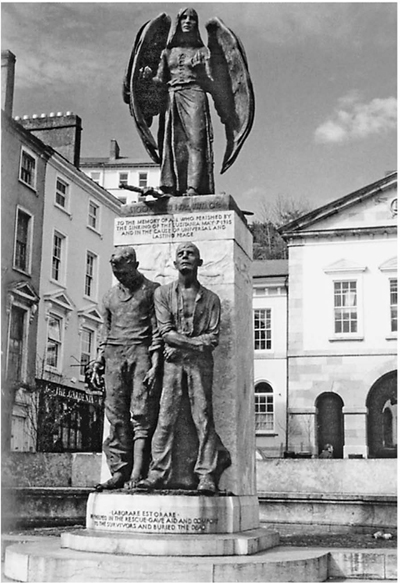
{"points": [[348, 541]]}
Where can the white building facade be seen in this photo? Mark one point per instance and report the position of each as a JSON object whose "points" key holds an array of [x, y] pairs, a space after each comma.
{"points": [[342, 325], [270, 355], [115, 170], [75, 274]]}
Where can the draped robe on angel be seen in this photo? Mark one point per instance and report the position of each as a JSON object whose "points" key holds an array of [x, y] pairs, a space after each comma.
{"points": [[187, 155]]}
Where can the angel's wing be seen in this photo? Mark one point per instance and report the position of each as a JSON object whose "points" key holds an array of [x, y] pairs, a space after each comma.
{"points": [[144, 97], [232, 89]]}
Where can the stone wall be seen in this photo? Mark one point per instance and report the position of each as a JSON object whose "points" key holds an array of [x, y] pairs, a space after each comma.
{"points": [[57, 470], [348, 476], [44, 489], [310, 476]]}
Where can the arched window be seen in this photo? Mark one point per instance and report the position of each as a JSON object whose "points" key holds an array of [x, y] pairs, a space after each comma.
{"points": [[264, 407], [382, 417], [330, 424]]}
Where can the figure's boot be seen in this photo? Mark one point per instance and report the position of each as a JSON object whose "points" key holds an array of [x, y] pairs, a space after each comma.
{"points": [[138, 462], [114, 483]]}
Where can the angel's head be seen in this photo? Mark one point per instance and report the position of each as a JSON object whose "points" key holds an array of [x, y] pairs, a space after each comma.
{"points": [[188, 21], [185, 30]]}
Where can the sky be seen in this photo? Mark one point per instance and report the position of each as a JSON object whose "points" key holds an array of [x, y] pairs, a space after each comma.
{"points": [[324, 77]]}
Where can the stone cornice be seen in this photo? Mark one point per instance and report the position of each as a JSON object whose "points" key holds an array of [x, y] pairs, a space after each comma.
{"points": [[341, 233]]}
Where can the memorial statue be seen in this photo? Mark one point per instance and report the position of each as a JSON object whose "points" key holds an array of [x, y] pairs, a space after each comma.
{"points": [[130, 350], [188, 317], [169, 74]]}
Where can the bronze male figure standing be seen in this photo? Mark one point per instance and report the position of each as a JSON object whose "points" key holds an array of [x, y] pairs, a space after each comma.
{"points": [[188, 317], [130, 350]]}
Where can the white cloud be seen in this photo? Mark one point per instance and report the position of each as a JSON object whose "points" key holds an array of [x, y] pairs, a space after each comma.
{"points": [[355, 120]]}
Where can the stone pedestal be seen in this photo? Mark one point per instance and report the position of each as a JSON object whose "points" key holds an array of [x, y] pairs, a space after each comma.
{"points": [[142, 533], [125, 523], [120, 511], [216, 225]]}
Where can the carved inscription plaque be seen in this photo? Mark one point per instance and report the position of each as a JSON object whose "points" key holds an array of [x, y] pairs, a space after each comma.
{"points": [[151, 521], [174, 228], [161, 514]]}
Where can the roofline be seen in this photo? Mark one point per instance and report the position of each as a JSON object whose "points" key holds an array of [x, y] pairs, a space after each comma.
{"points": [[94, 186], [331, 208], [343, 232], [46, 150], [115, 164]]}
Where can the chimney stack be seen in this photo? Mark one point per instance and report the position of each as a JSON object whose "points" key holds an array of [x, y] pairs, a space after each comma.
{"points": [[7, 81], [114, 150], [58, 130]]}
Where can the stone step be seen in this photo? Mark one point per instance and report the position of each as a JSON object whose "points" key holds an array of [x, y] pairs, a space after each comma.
{"points": [[36, 562], [45, 560], [247, 542]]}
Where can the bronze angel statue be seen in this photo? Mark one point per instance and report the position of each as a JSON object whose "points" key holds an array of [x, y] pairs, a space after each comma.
{"points": [[169, 75]]}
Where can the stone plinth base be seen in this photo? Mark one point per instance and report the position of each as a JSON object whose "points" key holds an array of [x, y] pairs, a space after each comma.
{"points": [[152, 513], [248, 542], [48, 562]]}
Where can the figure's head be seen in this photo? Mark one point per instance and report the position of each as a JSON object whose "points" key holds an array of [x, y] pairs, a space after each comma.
{"points": [[187, 258], [185, 30], [124, 264], [188, 20], [329, 447]]}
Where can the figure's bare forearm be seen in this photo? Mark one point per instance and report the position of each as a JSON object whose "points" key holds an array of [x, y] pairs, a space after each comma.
{"points": [[177, 340], [156, 359]]}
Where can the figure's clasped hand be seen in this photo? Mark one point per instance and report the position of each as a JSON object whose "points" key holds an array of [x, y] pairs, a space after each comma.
{"points": [[170, 353], [146, 72], [150, 377], [197, 59]]}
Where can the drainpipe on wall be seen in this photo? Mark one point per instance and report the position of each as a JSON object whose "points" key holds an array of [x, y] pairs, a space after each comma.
{"points": [[287, 364]]}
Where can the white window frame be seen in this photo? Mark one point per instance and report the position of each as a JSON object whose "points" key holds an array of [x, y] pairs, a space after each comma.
{"points": [[345, 272], [123, 181], [270, 348], [389, 271], [60, 343], [90, 216], [93, 294], [62, 258], [24, 359], [392, 332], [66, 196], [349, 288], [92, 349], [268, 402], [143, 177], [30, 154], [29, 240]]}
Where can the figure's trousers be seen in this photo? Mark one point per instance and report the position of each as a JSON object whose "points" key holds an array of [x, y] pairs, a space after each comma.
{"points": [[127, 405], [197, 371]]}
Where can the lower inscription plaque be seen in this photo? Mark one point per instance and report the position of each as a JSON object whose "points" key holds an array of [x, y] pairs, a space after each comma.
{"points": [[149, 521], [120, 512]]}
